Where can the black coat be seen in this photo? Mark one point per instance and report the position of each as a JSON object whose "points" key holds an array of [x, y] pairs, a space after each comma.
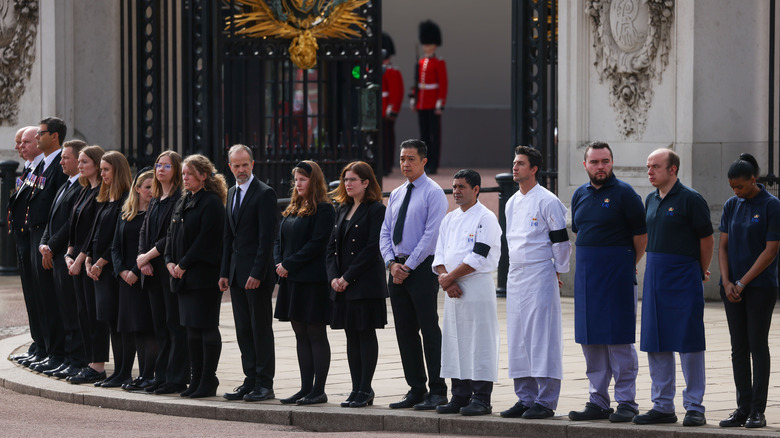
{"points": [[17, 204], [302, 252], [247, 245], [81, 219], [355, 255], [194, 242], [42, 196], [123, 262], [56, 233], [147, 240]]}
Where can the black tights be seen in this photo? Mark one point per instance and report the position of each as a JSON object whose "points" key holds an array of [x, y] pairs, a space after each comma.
{"points": [[362, 354], [147, 347], [205, 348], [123, 348], [313, 357]]}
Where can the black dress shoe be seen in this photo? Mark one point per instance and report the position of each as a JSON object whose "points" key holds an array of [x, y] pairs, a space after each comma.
{"points": [[322, 398], [170, 388], [623, 414], [239, 392], [430, 402], [291, 400], [756, 419], [138, 384], [51, 372], [49, 364], [350, 399], [151, 388], [409, 400], [450, 408], [476, 407], [20, 356], [260, 394], [87, 375], [70, 371], [592, 411], [694, 418], [736, 419], [31, 360], [655, 417], [515, 411], [537, 412], [116, 382], [363, 399]]}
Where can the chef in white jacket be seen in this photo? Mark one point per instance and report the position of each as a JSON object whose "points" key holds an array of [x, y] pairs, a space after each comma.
{"points": [[539, 251], [467, 253]]}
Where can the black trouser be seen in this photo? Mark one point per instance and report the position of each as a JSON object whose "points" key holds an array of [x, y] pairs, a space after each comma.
{"points": [[430, 133], [463, 390], [95, 334], [388, 145], [46, 297], [415, 310], [24, 263], [253, 316], [66, 298], [749, 322], [173, 362]]}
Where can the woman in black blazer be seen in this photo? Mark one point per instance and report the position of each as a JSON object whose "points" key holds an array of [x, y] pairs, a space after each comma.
{"points": [[135, 314], [172, 366], [299, 253], [192, 257], [93, 332], [115, 172], [357, 275]]}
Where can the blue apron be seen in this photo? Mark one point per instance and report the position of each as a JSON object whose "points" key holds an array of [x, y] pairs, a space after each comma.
{"points": [[672, 304], [604, 298]]}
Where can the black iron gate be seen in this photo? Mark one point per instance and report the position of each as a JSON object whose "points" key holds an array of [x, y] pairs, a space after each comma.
{"points": [[192, 84], [534, 82]]}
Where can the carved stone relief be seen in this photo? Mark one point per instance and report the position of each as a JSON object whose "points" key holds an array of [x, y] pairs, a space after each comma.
{"points": [[18, 29], [632, 42]]}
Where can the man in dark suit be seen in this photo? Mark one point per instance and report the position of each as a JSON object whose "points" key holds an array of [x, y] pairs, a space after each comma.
{"points": [[53, 247], [17, 208], [248, 270], [48, 180]]}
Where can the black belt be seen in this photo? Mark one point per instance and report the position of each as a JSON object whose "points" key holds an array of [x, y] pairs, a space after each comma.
{"points": [[401, 259]]}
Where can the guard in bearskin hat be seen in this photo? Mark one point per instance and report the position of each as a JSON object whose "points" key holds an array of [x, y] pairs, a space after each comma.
{"points": [[392, 95]]}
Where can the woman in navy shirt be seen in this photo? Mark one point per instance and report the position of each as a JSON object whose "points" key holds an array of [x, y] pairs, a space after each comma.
{"points": [[751, 221]]}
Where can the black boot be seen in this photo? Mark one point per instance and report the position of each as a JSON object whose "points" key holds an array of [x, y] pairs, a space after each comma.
{"points": [[195, 344], [212, 348]]}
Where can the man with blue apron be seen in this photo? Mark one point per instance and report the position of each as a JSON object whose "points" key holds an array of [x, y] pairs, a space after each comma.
{"points": [[608, 218], [467, 253], [539, 250], [679, 250]]}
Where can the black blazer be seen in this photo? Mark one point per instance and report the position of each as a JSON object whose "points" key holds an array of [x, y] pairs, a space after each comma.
{"points": [[56, 233], [80, 221], [17, 205], [42, 196], [118, 260], [193, 243], [247, 245], [302, 252], [355, 255]]}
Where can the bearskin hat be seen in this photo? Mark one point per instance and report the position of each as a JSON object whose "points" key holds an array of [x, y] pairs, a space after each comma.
{"points": [[430, 33], [387, 45]]}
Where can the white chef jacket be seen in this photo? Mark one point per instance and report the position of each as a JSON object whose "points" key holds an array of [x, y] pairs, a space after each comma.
{"points": [[470, 334], [533, 302]]}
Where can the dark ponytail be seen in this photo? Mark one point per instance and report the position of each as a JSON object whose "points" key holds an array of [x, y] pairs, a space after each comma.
{"points": [[746, 167]]}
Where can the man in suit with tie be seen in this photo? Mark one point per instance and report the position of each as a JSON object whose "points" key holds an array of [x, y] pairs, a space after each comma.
{"points": [[407, 243], [248, 271], [17, 209], [53, 247], [48, 180]]}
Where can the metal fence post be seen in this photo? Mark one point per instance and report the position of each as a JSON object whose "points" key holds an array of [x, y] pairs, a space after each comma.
{"points": [[7, 246], [507, 188]]}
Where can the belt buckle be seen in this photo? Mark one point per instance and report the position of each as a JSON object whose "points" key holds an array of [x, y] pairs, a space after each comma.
{"points": [[401, 259]]}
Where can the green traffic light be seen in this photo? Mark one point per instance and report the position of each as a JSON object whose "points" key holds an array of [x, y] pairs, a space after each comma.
{"points": [[356, 72]]}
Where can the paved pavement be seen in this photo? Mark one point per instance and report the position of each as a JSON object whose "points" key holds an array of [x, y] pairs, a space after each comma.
{"points": [[390, 386]]}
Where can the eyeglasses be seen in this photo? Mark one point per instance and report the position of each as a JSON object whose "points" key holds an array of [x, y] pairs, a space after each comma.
{"points": [[159, 166], [40, 133], [352, 180]]}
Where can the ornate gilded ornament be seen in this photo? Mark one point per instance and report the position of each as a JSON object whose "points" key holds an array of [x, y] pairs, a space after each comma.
{"points": [[18, 29], [632, 42], [303, 21]]}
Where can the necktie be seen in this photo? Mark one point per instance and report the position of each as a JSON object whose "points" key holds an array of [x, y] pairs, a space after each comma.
{"points": [[398, 232], [237, 204], [67, 186]]}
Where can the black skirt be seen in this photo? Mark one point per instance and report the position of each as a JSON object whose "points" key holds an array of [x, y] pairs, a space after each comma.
{"points": [[306, 302], [135, 312], [107, 296], [365, 314], [199, 308]]}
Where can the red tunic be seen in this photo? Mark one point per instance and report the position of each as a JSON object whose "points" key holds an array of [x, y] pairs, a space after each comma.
{"points": [[432, 85], [392, 90]]}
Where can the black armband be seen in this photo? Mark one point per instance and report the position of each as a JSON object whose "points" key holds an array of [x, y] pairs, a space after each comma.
{"points": [[559, 236], [481, 249]]}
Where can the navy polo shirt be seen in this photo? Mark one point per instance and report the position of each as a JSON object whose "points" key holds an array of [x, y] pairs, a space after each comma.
{"points": [[677, 223], [608, 216], [750, 224]]}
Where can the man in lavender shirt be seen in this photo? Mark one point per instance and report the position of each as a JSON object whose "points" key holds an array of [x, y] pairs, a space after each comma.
{"points": [[408, 242]]}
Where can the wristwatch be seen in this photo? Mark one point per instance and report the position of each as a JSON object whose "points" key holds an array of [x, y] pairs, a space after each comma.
{"points": [[740, 284], [389, 263]]}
